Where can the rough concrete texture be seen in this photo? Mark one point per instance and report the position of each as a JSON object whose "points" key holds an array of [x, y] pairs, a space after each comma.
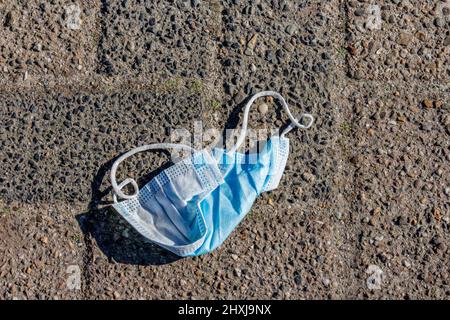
{"points": [[362, 210], [44, 41], [410, 41]]}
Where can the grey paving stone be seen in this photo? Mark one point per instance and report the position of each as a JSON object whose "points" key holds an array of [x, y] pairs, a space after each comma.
{"points": [[398, 40], [47, 40], [361, 211], [400, 156], [63, 144], [54, 147], [41, 252], [279, 45], [175, 38]]}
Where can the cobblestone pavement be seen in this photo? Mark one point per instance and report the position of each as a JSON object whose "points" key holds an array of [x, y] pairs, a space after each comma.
{"points": [[363, 207]]}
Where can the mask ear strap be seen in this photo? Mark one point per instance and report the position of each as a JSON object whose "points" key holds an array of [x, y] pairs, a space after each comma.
{"points": [[294, 121], [117, 189], [293, 125]]}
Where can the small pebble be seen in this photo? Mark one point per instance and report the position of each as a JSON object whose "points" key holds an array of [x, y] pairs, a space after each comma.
{"points": [[427, 103], [251, 45], [360, 12], [447, 191], [308, 177], [263, 108], [438, 22], [291, 29], [326, 56], [130, 46], [404, 39], [447, 41], [9, 19]]}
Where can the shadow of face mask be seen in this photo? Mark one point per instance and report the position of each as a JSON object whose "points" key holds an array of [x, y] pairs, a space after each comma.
{"points": [[193, 206]]}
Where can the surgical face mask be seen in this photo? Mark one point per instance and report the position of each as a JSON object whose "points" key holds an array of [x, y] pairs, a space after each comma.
{"points": [[194, 205]]}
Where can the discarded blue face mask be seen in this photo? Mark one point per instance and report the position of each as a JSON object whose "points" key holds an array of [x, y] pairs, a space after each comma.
{"points": [[193, 206]]}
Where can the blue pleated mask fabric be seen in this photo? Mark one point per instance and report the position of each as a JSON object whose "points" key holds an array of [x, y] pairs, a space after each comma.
{"points": [[193, 206]]}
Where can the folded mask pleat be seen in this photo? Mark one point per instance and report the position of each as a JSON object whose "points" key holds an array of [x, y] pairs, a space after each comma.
{"points": [[187, 210], [173, 217], [162, 229], [155, 229], [186, 186], [252, 182]]}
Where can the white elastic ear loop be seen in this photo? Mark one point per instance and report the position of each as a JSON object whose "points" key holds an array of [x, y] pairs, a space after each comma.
{"points": [[123, 184], [117, 189], [292, 125], [294, 121]]}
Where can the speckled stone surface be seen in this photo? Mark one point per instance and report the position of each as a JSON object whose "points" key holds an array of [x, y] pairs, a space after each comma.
{"points": [[362, 210]]}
